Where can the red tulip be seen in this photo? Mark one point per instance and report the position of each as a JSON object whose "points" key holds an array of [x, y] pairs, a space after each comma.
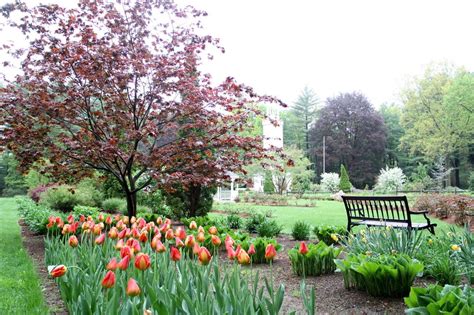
{"points": [[58, 271], [216, 241], [112, 265], [243, 258], [70, 219], [132, 288], [270, 252], [204, 256], [303, 248], [126, 251], [143, 237], [135, 233], [142, 262], [160, 248], [169, 234], [251, 250], [108, 220], [109, 280], [122, 233], [82, 218], [123, 264], [189, 242], [180, 232], [175, 254], [134, 244], [100, 239], [101, 217], [73, 242]]}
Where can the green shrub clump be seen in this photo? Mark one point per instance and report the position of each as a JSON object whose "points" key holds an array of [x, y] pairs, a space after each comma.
{"points": [[301, 231], [260, 244], [384, 275], [62, 198], [234, 221], [344, 184], [35, 216], [113, 205], [436, 299], [263, 225], [319, 260], [86, 211], [329, 234]]}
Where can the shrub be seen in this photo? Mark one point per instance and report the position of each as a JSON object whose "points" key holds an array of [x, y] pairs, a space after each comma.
{"points": [[344, 184], [380, 275], [260, 244], [269, 228], [113, 204], [182, 201], [436, 299], [88, 193], [86, 211], [35, 216], [252, 223], [330, 182], [471, 181], [36, 192], [234, 221], [390, 180], [319, 260], [443, 206], [268, 186], [61, 198], [329, 234], [301, 231]]}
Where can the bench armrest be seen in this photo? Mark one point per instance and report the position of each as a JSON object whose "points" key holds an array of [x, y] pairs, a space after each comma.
{"points": [[419, 212]]}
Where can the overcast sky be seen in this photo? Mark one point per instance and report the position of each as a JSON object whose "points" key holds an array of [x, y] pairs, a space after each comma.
{"points": [[373, 47]]}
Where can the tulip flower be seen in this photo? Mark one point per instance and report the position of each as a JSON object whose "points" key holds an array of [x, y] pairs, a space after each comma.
{"points": [[49, 225], [216, 241], [97, 229], [192, 225], [132, 288], [101, 217], [112, 265], [143, 237], [122, 234], [175, 254], [270, 252], [134, 244], [120, 225], [180, 232], [196, 248], [200, 237], [303, 248], [204, 256], [142, 262], [126, 251], [153, 242], [230, 253], [100, 239], [141, 223], [133, 219], [58, 271], [109, 280], [119, 245], [82, 218], [123, 264], [237, 250], [189, 242], [108, 220], [167, 222], [113, 233], [135, 233], [169, 234], [251, 251], [229, 241], [200, 229], [159, 220], [213, 230], [73, 242], [243, 258], [65, 229], [117, 218], [125, 220], [73, 227], [179, 242], [70, 219], [160, 248]]}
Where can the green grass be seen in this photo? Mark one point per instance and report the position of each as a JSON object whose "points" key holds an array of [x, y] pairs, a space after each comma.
{"points": [[325, 212], [20, 291]]}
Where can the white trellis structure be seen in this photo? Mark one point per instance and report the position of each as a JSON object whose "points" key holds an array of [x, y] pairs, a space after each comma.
{"points": [[228, 193]]}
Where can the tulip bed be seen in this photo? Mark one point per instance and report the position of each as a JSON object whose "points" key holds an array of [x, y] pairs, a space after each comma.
{"points": [[116, 266]]}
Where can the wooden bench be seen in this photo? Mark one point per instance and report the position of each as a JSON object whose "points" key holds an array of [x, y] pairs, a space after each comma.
{"points": [[383, 211]]}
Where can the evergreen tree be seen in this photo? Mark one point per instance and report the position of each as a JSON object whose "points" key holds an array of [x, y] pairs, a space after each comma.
{"points": [[345, 184], [268, 186]]}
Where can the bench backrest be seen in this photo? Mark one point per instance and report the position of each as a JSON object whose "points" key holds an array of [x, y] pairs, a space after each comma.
{"points": [[385, 208]]}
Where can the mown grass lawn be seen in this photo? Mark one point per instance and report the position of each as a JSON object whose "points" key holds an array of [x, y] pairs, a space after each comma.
{"points": [[325, 212], [20, 291]]}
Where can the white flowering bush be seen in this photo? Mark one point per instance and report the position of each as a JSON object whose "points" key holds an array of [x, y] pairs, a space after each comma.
{"points": [[330, 182], [390, 180]]}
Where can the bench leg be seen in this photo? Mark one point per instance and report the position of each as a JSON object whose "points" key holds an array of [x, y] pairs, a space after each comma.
{"points": [[431, 229]]}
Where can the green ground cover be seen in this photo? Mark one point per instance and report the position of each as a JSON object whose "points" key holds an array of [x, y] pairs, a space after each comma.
{"points": [[20, 291], [325, 212]]}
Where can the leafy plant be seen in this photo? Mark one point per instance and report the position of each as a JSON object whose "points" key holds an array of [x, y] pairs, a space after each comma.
{"points": [[234, 221], [61, 198], [86, 211], [113, 204], [269, 228], [436, 299], [301, 231], [380, 275], [88, 193], [319, 260], [329, 234], [260, 244], [35, 216], [252, 223]]}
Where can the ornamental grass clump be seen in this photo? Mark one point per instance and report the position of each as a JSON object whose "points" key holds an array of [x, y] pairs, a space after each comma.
{"points": [[317, 261], [386, 275]]}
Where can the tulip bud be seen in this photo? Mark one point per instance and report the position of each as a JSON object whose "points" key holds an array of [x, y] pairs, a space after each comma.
{"points": [[229, 241], [200, 237], [100, 239], [189, 242], [73, 242], [213, 230], [160, 248], [117, 218], [97, 229], [270, 252], [159, 221], [119, 244], [141, 223], [132, 288], [126, 251], [58, 271], [181, 233], [196, 249], [113, 234], [303, 248], [243, 258], [204, 256], [123, 264], [133, 219], [169, 234], [142, 262], [70, 219], [112, 265], [101, 217], [82, 218], [251, 250], [175, 254], [192, 225], [200, 229], [230, 253], [179, 242], [143, 237], [108, 220], [216, 241], [109, 280]]}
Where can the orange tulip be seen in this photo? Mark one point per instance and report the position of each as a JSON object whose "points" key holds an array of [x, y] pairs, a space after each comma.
{"points": [[113, 233], [251, 250], [73, 242], [200, 237], [126, 251], [159, 220], [109, 280], [169, 234], [97, 229], [175, 254], [108, 220], [200, 229], [192, 225], [213, 230], [270, 252], [189, 242], [196, 249], [101, 217], [142, 262], [82, 218], [303, 248], [132, 288], [65, 229], [153, 242], [123, 264], [58, 271], [243, 258], [160, 248], [143, 237], [204, 256], [125, 220], [179, 242], [100, 239], [112, 265], [216, 241]]}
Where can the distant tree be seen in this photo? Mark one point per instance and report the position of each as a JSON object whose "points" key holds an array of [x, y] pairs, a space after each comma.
{"points": [[13, 181], [344, 184], [297, 122], [115, 86], [268, 186], [355, 136], [390, 180]]}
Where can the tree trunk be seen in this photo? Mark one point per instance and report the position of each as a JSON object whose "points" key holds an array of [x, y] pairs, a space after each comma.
{"points": [[131, 203], [455, 181], [194, 195]]}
